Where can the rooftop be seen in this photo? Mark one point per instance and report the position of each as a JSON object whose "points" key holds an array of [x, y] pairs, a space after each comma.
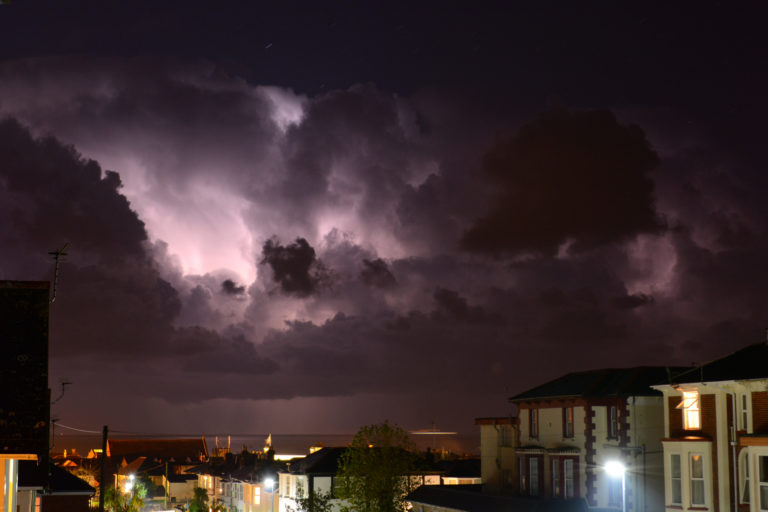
{"points": [[603, 383], [747, 363]]}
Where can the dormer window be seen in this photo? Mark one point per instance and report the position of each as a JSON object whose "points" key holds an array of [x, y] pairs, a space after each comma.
{"points": [[691, 412]]}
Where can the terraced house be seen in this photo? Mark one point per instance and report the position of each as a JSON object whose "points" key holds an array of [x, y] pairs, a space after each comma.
{"points": [[716, 435], [571, 427]]}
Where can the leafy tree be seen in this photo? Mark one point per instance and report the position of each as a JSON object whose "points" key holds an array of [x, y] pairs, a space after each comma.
{"points": [[374, 473], [115, 500], [318, 502], [199, 501]]}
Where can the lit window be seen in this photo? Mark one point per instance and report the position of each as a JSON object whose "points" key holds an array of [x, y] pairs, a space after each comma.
{"points": [[256, 495], [676, 482], [533, 423], [568, 422], [568, 474], [697, 479], [691, 413]]}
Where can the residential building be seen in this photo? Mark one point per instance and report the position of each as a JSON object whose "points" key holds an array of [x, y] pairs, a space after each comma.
{"points": [[242, 482], [497, 442], [569, 428], [51, 490], [25, 397], [716, 435], [311, 474]]}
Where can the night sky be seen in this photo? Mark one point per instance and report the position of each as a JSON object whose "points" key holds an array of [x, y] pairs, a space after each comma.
{"points": [[307, 217]]}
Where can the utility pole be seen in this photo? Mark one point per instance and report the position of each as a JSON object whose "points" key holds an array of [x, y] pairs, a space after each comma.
{"points": [[103, 484]]}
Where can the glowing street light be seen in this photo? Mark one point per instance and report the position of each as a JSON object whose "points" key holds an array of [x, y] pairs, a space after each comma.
{"points": [[616, 469], [270, 482]]}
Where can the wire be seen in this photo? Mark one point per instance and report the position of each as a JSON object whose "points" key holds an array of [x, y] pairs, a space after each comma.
{"points": [[78, 429]]}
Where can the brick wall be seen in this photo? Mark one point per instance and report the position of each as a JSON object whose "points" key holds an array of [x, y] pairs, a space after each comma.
{"points": [[760, 412], [675, 417]]}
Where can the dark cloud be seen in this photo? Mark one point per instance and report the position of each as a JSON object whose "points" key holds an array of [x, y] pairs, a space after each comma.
{"points": [[295, 267], [52, 194], [454, 307], [377, 273], [633, 301], [577, 177], [229, 287]]}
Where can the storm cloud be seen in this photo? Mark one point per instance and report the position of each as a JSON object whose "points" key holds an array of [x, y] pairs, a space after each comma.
{"points": [[569, 176], [251, 244]]}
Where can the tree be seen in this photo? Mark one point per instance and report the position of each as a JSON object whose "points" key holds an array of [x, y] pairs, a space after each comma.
{"points": [[115, 500], [199, 501], [374, 473], [317, 502]]}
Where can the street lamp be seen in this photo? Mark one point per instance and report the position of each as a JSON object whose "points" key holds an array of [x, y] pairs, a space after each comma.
{"points": [[617, 469], [269, 482]]}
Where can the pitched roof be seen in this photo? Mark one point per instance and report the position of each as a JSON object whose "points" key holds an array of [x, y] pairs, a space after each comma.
{"points": [[181, 450], [61, 481], [461, 468], [459, 498], [747, 363], [324, 461], [603, 383]]}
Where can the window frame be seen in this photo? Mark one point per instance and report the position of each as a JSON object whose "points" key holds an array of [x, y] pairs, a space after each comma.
{"points": [[533, 476], [744, 411], [693, 480], [761, 484], [568, 422], [744, 491], [673, 479], [533, 423], [613, 422], [555, 477], [691, 407], [566, 463]]}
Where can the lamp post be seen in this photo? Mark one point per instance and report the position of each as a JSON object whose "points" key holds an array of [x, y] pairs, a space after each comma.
{"points": [[270, 482], [617, 469]]}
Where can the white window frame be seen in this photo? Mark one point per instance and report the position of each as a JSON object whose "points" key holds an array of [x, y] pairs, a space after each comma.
{"points": [[743, 411], [744, 487], [691, 409], [569, 490], [761, 484], [702, 479], [675, 481]]}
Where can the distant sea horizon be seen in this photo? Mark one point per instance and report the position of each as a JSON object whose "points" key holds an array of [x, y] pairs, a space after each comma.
{"points": [[283, 444]]}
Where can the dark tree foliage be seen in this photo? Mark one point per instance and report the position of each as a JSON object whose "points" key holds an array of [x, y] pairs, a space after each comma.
{"points": [[375, 471]]}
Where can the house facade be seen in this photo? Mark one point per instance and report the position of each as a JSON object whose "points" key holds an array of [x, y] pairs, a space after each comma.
{"points": [[498, 439], [571, 427], [716, 435]]}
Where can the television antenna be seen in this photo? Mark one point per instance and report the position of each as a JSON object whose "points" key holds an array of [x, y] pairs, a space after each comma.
{"points": [[57, 255]]}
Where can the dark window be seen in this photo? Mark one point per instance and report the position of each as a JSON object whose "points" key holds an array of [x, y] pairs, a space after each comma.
{"points": [[568, 422], [613, 422], [533, 423]]}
